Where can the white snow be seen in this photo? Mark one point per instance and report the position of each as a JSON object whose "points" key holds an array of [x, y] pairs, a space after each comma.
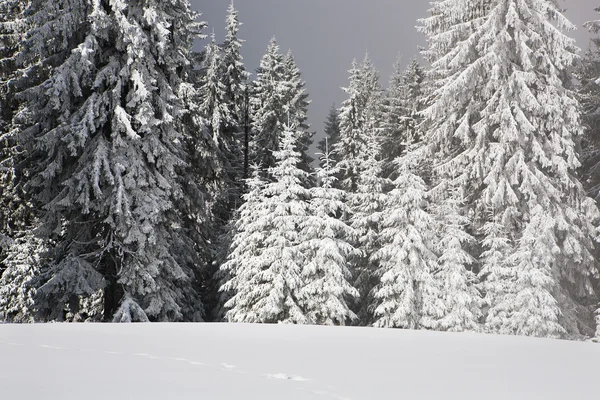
{"points": [[231, 361]]}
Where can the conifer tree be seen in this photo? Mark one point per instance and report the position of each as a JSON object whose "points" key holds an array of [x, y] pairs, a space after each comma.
{"points": [[266, 256], [267, 107], [13, 210], [367, 204], [235, 76], [504, 124], [589, 95], [106, 155], [327, 292], [459, 294], [332, 134], [17, 284], [295, 107], [403, 102], [408, 295], [359, 113], [219, 112]]}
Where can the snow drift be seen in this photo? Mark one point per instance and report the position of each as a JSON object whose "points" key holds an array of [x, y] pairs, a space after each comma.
{"points": [[230, 361]]}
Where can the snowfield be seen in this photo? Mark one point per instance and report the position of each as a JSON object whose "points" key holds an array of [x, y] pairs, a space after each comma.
{"points": [[229, 361]]}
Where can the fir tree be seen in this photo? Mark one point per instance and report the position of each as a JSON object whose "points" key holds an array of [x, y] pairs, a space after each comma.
{"points": [[366, 206], [332, 134], [402, 105], [408, 294], [266, 257], [589, 95], [235, 75], [589, 92], [13, 207], [17, 284], [295, 107], [360, 112], [267, 107], [460, 297], [106, 154], [219, 114], [504, 124], [327, 292]]}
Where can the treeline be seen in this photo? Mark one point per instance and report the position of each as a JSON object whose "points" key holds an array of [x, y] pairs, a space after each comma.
{"points": [[142, 181]]}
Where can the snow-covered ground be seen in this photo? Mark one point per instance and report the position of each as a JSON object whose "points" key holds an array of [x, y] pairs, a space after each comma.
{"points": [[228, 361]]}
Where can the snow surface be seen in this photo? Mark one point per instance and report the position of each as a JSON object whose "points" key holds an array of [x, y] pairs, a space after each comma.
{"points": [[230, 361]]}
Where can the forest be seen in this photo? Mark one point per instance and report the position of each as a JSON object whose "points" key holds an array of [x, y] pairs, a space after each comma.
{"points": [[142, 180]]}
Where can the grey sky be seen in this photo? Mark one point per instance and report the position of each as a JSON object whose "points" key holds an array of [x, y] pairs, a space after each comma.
{"points": [[325, 35]]}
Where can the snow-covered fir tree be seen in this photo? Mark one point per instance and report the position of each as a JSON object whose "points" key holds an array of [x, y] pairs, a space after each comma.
{"points": [[219, 113], [106, 156], [17, 284], [267, 257], [235, 76], [367, 204], [407, 294], [332, 134], [589, 92], [295, 105], [327, 294], [267, 107], [461, 302], [12, 30], [358, 114], [504, 124], [403, 102], [589, 95]]}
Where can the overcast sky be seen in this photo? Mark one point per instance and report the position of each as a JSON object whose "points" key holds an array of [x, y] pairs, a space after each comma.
{"points": [[325, 35]]}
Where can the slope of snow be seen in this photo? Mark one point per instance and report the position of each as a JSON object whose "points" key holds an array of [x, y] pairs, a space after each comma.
{"points": [[229, 361]]}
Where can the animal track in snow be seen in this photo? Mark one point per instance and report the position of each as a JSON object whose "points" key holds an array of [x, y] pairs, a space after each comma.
{"points": [[287, 377]]}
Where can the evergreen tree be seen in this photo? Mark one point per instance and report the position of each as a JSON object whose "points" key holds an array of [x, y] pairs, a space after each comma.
{"points": [[589, 95], [367, 205], [13, 209], [267, 107], [295, 107], [235, 75], [460, 298], [105, 156], [360, 112], [402, 106], [332, 134], [504, 125], [17, 290], [589, 92], [327, 291], [408, 294], [266, 257], [220, 119]]}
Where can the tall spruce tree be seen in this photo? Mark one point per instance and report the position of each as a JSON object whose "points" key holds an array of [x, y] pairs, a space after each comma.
{"points": [[327, 294], [402, 105], [589, 95], [589, 92], [235, 76], [295, 107], [407, 294], [332, 134], [266, 257], [104, 135], [503, 124], [219, 112], [359, 113], [460, 298], [267, 107], [13, 206], [367, 204]]}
